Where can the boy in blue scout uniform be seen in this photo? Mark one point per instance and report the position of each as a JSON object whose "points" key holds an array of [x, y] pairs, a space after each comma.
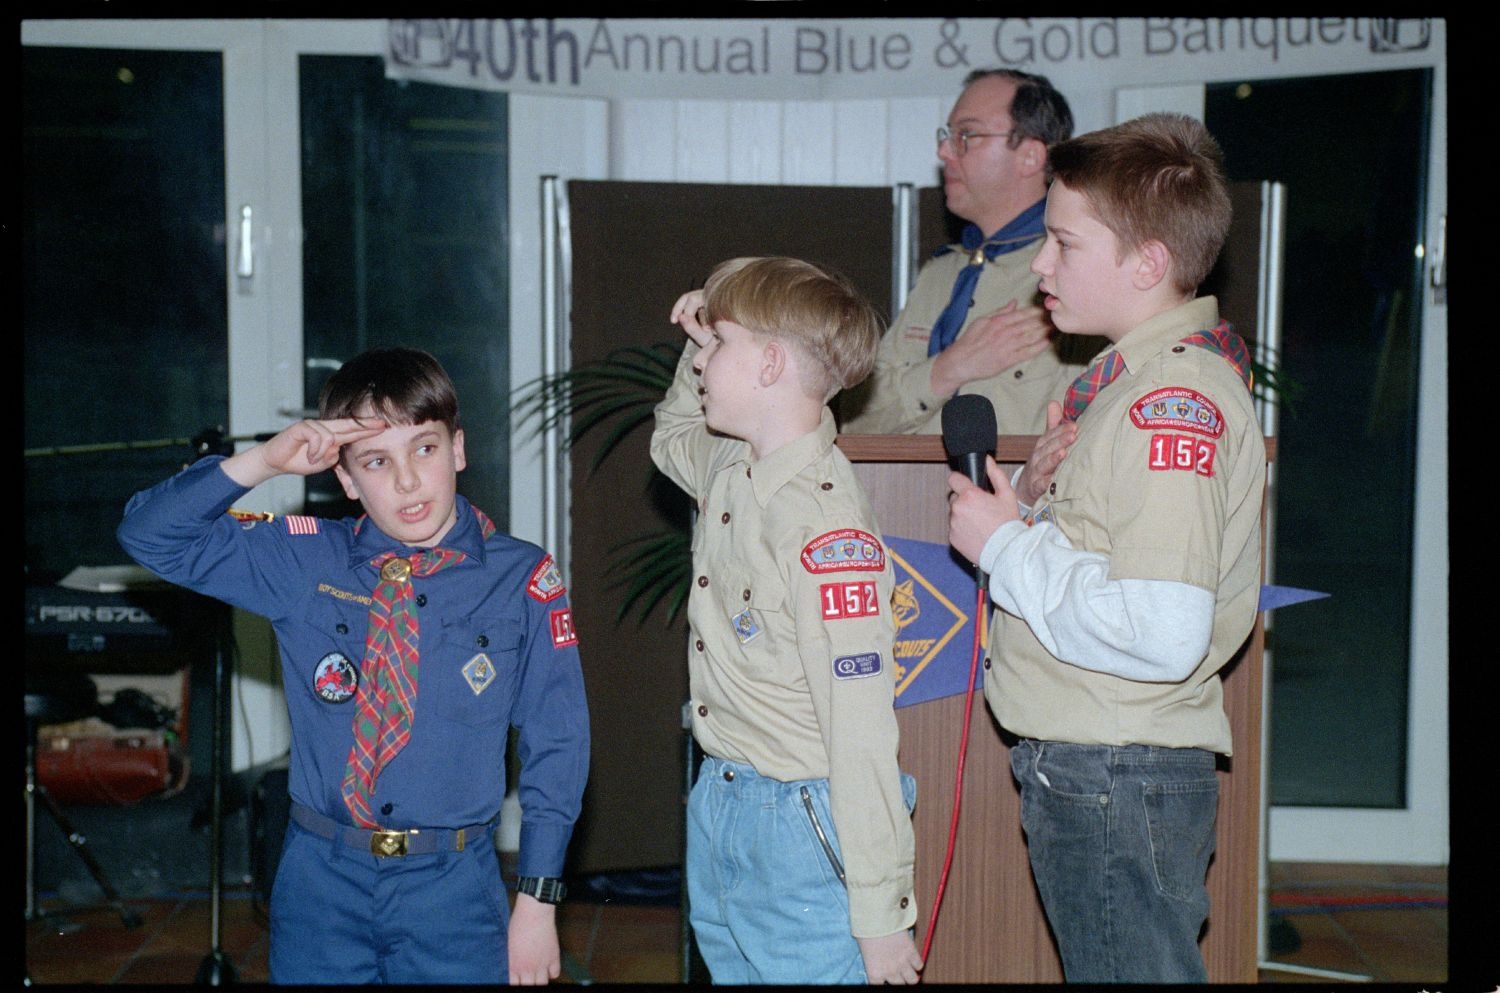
{"points": [[1126, 560], [799, 852], [411, 639]]}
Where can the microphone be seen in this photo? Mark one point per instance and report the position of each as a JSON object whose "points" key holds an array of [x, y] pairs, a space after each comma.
{"points": [[969, 432]]}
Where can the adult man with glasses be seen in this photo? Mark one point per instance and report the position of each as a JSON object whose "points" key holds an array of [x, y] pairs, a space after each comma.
{"points": [[973, 323]]}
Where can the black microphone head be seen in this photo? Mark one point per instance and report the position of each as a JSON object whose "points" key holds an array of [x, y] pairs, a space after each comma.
{"points": [[969, 425]]}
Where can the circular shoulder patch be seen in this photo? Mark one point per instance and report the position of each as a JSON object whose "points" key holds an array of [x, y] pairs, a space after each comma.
{"points": [[335, 679]]}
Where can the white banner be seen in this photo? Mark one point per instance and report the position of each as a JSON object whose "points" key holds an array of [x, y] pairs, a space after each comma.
{"points": [[819, 59]]}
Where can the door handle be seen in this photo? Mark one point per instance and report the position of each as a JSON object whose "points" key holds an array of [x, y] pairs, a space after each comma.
{"points": [[245, 266]]}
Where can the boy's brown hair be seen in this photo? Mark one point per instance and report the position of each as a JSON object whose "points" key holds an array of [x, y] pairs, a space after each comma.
{"points": [[401, 385], [817, 310], [1159, 177]]}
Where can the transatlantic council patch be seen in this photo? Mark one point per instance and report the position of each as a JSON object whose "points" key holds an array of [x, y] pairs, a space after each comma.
{"points": [[335, 679], [546, 582], [848, 548], [856, 666], [1177, 408]]}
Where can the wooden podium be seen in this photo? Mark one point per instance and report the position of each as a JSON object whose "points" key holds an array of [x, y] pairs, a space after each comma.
{"points": [[991, 927]]}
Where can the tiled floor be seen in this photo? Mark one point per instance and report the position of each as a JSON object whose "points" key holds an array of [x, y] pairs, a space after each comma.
{"points": [[1350, 922]]}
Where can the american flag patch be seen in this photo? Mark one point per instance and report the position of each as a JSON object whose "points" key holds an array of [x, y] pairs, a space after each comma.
{"points": [[299, 524]]}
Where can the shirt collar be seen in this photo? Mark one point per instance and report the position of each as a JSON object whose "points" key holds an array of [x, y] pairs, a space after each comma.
{"points": [[1166, 329], [781, 466], [465, 536]]}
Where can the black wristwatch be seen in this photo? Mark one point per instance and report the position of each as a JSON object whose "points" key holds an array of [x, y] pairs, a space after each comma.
{"points": [[546, 889]]}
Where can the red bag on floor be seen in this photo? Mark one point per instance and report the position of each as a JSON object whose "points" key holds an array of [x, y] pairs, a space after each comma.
{"points": [[108, 769]]}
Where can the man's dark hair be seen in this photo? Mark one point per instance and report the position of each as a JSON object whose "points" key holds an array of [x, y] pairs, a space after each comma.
{"points": [[401, 385], [1037, 110]]}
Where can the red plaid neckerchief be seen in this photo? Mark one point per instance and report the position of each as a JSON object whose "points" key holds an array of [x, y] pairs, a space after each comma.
{"points": [[1222, 339], [387, 700], [1087, 386]]}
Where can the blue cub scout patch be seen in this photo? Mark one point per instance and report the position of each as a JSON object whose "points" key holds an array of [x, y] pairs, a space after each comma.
{"points": [[744, 625], [479, 672], [856, 666]]}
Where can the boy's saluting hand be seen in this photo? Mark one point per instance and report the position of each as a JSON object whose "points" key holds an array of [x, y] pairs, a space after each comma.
{"points": [[305, 448]]}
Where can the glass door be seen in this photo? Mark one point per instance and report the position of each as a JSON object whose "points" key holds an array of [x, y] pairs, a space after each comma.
{"points": [[217, 212]]}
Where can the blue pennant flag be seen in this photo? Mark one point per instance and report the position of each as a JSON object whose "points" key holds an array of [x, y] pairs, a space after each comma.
{"points": [[934, 606], [1272, 597], [934, 609]]}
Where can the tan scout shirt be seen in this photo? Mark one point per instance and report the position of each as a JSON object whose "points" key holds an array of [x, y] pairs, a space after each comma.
{"points": [[1166, 479], [790, 655], [899, 398]]}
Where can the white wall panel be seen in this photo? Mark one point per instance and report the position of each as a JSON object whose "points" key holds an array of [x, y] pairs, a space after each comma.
{"points": [[807, 151], [912, 136], [755, 141], [702, 129], [643, 140], [860, 131]]}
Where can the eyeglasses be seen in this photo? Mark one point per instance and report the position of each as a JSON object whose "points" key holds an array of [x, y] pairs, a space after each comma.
{"points": [[958, 141]]}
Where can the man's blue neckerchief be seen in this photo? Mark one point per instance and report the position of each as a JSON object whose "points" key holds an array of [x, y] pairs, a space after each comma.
{"points": [[1023, 229]]}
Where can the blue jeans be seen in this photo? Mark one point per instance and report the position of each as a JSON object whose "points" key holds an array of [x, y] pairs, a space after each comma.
{"points": [[339, 915], [1120, 839], [764, 894]]}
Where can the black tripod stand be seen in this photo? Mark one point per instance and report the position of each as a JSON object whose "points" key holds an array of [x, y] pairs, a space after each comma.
{"points": [[55, 699]]}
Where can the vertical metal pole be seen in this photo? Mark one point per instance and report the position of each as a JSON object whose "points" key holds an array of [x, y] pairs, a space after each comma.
{"points": [[216, 969], [556, 259], [30, 819], [1267, 351], [903, 244]]}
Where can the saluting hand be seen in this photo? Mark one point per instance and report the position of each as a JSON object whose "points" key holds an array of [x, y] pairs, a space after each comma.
{"points": [[688, 311], [305, 448]]}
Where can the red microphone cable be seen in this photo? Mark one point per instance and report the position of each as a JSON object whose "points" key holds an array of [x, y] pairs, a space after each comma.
{"points": [[958, 778]]}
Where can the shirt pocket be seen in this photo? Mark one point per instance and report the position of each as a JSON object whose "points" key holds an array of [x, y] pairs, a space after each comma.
{"points": [[326, 654], [755, 600], [469, 674]]}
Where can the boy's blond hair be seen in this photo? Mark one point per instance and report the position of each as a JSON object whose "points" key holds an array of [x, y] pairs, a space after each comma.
{"points": [[1159, 177], [816, 310]]}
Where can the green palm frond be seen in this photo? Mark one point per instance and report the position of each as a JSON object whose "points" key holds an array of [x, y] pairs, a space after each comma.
{"points": [[653, 568], [1271, 383], [615, 395], [621, 390]]}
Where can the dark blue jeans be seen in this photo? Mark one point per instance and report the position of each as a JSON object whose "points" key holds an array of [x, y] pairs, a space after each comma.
{"points": [[1120, 838]]}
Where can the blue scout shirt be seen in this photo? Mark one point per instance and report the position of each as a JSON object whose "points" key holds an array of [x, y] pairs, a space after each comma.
{"points": [[496, 644]]}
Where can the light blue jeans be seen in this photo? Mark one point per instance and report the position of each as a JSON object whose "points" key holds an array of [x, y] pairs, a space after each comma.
{"points": [[1120, 839], [765, 896]]}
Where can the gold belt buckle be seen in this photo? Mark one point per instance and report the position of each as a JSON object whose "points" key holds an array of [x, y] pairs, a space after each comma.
{"points": [[388, 843]]}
